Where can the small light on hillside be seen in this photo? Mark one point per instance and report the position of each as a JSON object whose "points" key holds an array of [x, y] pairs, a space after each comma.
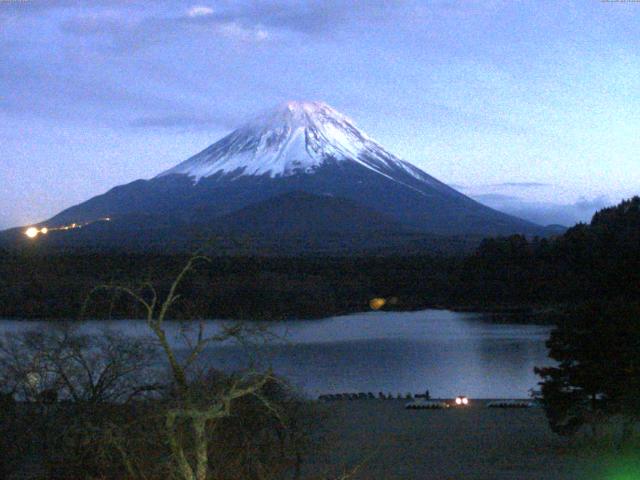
{"points": [[377, 303], [32, 232]]}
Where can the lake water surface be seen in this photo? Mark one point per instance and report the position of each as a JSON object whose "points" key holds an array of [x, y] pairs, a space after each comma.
{"points": [[447, 352]]}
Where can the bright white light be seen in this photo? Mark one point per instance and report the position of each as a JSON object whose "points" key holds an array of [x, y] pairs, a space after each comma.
{"points": [[458, 401], [32, 232], [44, 230], [465, 401]]}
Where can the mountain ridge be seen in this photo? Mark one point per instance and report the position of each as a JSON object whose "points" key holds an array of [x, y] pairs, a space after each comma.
{"points": [[305, 147]]}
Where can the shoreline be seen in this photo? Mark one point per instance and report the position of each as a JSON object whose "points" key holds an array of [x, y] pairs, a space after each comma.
{"points": [[525, 314]]}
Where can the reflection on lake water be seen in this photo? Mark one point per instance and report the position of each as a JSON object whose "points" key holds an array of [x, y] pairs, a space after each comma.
{"points": [[448, 353]]}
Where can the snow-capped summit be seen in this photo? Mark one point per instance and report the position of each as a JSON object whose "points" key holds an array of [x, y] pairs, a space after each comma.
{"points": [[296, 137]]}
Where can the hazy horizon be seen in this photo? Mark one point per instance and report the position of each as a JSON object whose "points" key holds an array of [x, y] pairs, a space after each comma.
{"points": [[529, 107]]}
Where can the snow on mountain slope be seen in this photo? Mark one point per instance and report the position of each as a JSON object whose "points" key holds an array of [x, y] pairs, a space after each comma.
{"points": [[297, 137]]}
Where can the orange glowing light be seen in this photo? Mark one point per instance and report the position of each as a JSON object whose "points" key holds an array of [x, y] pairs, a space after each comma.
{"points": [[377, 303], [44, 230]]}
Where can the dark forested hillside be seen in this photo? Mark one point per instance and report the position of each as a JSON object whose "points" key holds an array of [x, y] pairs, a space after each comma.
{"points": [[599, 260], [238, 287]]}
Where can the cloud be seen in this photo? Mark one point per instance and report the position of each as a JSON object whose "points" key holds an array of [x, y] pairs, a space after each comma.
{"points": [[545, 213], [186, 121], [300, 17], [236, 31], [528, 200], [115, 33], [596, 203], [74, 96], [199, 11], [509, 185], [84, 69], [495, 197], [255, 21], [94, 24], [522, 184], [143, 29], [38, 7]]}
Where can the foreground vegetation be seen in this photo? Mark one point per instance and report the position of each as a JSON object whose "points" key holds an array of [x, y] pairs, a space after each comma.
{"points": [[107, 406]]}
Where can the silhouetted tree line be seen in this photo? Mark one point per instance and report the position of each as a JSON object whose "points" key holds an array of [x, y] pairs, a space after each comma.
{"points": [[596, 260], [55, 286]]}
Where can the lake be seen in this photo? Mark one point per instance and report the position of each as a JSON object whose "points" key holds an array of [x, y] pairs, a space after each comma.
{"points": [[449, 353]]}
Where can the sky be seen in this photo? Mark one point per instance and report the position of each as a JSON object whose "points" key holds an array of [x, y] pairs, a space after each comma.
{"points": [[532, 107]]}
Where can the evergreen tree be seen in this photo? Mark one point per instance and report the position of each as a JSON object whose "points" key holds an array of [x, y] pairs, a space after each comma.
{"points": [[597, 347]]}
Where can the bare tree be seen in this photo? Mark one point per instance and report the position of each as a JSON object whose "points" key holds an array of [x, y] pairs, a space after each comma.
{"points": [[62, 382], [191, 408], [73, 366], [114, 417]]}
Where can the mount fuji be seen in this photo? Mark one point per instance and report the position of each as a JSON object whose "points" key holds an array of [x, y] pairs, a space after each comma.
{"points": [[301, 170]]}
